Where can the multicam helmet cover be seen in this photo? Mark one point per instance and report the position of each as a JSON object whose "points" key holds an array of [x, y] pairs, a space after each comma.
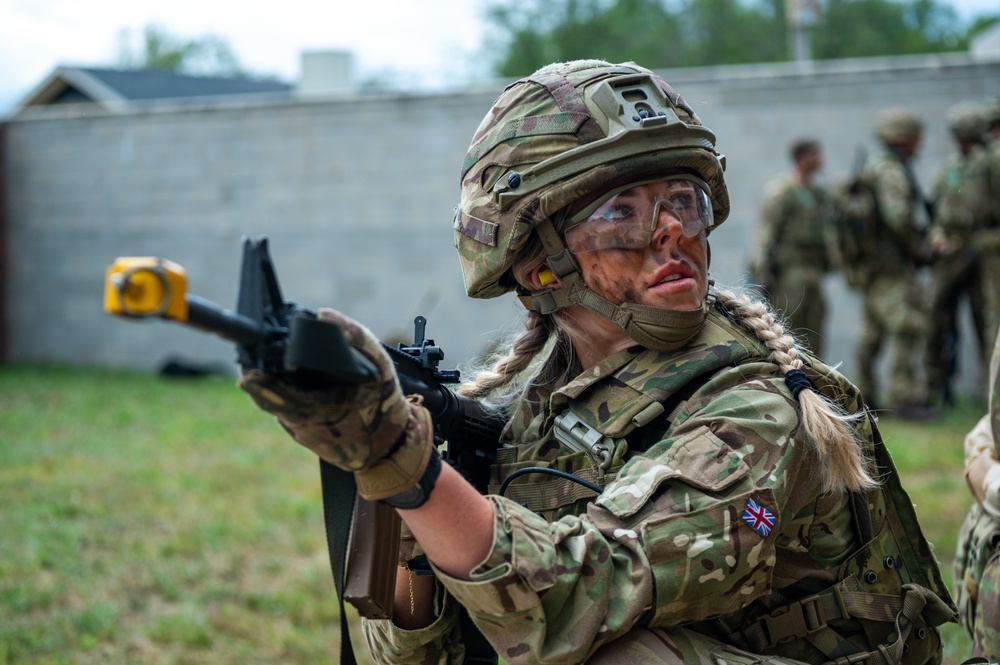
{"points": [[566, 134], [898, 124], [967, 121]]}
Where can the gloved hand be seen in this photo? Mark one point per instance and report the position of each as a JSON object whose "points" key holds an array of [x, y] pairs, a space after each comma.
{"points": [[370, 429]]}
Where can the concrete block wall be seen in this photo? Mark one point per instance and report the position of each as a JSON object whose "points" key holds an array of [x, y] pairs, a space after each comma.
{"points": [[356, 194], [757, 111]]}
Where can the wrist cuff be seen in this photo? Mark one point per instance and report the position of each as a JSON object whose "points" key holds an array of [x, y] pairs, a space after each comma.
{"points": [[404, 468], [416, 496]]}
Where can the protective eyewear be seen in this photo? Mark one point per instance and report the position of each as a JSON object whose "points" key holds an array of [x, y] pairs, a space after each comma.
{"points": [[627, 218]]}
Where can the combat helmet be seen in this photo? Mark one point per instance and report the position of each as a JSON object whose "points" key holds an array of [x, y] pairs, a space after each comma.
{"points": [[899, 125], [967, 121], [993, 113], [567, 132]]}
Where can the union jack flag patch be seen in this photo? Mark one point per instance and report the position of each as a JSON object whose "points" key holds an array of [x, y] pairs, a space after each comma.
{"points": [[758, 517]]}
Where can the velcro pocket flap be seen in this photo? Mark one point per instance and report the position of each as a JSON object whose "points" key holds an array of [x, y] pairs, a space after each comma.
{"points": [[697, 458]]}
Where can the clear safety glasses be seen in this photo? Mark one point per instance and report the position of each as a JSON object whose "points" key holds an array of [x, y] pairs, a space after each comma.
{"points": [[627, 218]]}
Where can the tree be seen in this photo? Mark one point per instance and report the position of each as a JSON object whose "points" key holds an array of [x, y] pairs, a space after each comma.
{"points": [[983, 23], [860, 28], [540, 31], [528, 34], [721, 32], [208, 55]]}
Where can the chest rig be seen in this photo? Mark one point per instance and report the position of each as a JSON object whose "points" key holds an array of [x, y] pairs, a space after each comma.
{"points": [[592, 425], [888, 596]]}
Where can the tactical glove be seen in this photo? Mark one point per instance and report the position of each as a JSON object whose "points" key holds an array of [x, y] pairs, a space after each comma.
{"points": [[370, 429]]}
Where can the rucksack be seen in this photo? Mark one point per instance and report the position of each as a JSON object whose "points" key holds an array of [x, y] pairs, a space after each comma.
{"points": [[856, 220]]}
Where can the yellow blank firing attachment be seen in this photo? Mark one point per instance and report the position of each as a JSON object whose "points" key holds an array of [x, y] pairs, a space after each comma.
{"points": [[142, 286]]}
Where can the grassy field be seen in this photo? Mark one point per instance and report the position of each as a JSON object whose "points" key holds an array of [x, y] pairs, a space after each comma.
{"points": [[150, 521]]}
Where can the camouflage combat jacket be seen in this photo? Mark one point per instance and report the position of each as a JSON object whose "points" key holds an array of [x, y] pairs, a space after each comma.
{"points": [[988, 240], [717, 524], [902, 216], [960, 205], [793, 229]]}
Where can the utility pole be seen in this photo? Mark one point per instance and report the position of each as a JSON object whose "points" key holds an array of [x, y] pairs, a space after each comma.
{"points": [[802, 16]]}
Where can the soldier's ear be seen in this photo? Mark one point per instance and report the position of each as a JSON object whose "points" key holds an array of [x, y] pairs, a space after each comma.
{"points": [[542, 277]]}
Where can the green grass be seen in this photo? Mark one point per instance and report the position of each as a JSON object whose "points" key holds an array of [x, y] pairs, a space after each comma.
{"points": [[149, 521]]}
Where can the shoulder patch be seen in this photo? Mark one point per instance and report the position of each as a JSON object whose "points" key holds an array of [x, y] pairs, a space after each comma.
{"points": [[758, 517]]}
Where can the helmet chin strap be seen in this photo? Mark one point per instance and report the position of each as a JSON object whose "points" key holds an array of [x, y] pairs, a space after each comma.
{"points": [[652, 327]]}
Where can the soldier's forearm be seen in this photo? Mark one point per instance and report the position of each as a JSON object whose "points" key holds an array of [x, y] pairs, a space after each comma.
{"points": [[455, 526]]}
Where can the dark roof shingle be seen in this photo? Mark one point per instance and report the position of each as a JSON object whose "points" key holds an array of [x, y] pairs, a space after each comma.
{"points": [[158, 84]]}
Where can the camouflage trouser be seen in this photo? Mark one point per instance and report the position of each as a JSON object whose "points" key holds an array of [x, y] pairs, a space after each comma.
{"points": [[676, 646], [977, 581], [894, 313], [798, 295], [951, 277]]}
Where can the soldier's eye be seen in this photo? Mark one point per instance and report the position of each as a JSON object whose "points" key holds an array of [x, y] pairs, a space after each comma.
{"points": [[617, 213]]}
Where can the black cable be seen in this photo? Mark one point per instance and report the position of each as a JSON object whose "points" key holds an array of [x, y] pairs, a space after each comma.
{"points": [[552, 472]]}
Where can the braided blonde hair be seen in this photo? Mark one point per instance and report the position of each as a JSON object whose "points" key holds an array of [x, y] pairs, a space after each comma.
{"points": [[504, 377], [831, 428], [507, 381]]}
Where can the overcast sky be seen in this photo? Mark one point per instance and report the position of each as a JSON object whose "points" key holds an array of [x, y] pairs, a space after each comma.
{"points": [[435, 42]]}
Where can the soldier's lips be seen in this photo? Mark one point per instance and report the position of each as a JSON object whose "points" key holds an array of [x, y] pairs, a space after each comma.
{"points": [[672, 278], [678, 284]]}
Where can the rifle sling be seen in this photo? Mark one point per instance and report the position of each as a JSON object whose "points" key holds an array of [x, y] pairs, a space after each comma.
{"points": [[339, 490], [339, 494]]}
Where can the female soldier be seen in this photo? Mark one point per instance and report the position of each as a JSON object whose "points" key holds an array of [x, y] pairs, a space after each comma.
{"points": [[748, 506]]}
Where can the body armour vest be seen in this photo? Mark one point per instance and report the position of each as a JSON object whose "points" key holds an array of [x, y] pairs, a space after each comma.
{"points": [[881, 602]]}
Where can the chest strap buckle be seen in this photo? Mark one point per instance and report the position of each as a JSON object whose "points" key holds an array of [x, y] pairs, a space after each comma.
{"points": [[578, 436], [796, 620]]}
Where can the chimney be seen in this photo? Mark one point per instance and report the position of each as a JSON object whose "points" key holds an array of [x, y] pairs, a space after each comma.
{"points": [[325, 73]]}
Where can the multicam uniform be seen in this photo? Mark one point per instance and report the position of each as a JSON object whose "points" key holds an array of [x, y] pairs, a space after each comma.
{"points": [[957, 220], [712, 520], [792, 254], [987, 239], [977, 562], [893, 307]]}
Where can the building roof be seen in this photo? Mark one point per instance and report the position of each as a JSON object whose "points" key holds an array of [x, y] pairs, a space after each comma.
{"points": [[117, 89]]}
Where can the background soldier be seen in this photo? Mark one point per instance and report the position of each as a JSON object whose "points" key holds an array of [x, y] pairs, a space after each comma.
{"points": [[977, 566], [987, 242], [793, 244], [954, 262], [893, 307]]}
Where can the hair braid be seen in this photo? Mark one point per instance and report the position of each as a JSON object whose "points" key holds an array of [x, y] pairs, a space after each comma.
{"points": [[523, 350], [825, 421]]}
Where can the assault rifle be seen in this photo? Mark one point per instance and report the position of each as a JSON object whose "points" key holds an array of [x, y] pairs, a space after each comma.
{"points": [[288, 340]]}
